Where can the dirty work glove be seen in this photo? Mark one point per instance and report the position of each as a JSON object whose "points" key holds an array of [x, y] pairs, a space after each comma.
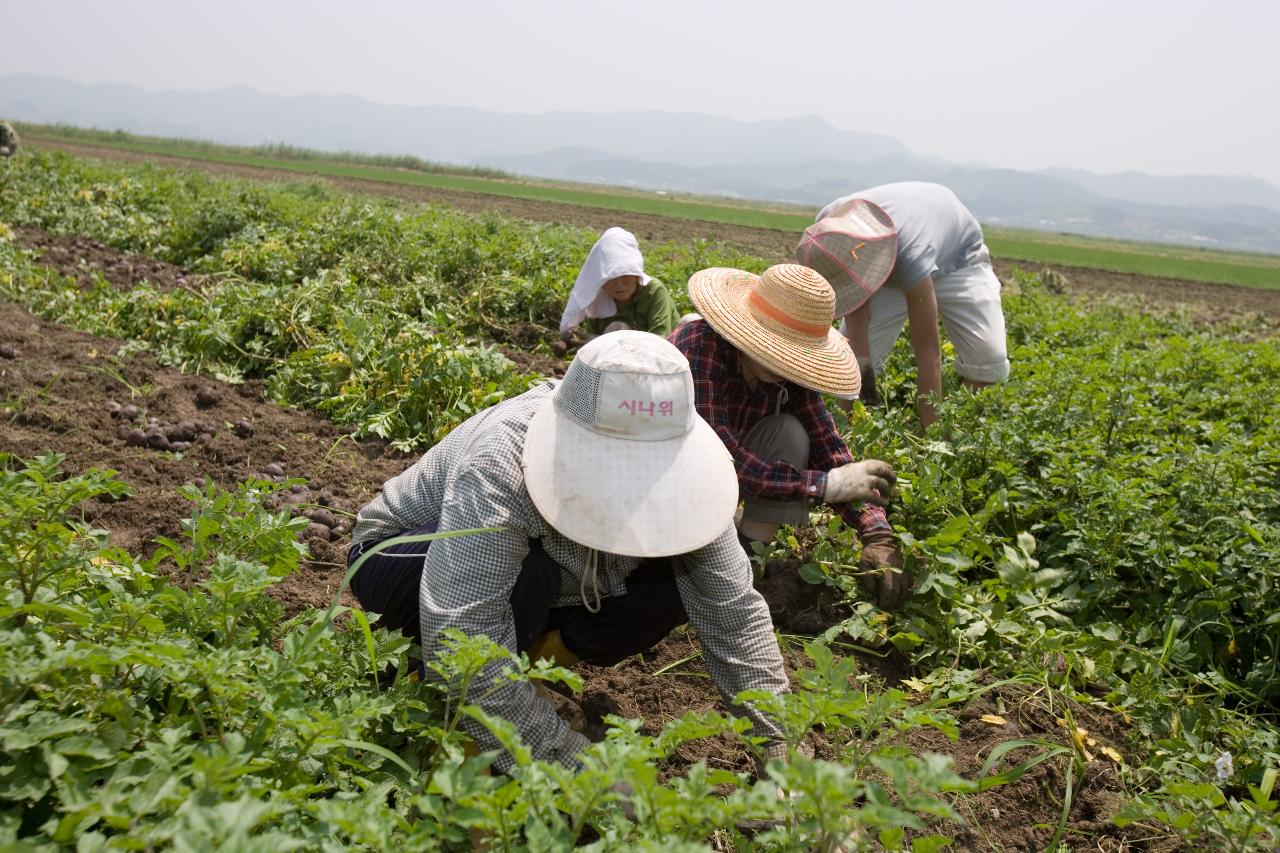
{"points": [[881, 572], [616, 326], [622, 794], [869, 395], [868, 481]]}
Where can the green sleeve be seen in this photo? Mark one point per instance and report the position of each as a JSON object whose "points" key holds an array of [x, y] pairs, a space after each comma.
{"points": [[595, 325], [660, 314]]}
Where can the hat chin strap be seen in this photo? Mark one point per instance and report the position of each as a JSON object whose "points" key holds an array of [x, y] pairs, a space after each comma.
{"points": [[593, 568]]}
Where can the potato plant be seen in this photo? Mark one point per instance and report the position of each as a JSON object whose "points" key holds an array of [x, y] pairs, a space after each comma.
{"points": [[1107, 523], [137, 711]]}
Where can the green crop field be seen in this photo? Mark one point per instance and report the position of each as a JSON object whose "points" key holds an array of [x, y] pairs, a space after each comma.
{"points": [[1093, 640], [1191, 264], [314, 163]]}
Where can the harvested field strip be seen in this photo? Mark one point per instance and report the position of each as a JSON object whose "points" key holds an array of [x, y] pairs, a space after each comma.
{"points": [[777, 230]]}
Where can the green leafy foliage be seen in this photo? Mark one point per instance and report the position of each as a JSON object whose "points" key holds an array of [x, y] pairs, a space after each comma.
{"points": [[140, 712], [1107, 523]]}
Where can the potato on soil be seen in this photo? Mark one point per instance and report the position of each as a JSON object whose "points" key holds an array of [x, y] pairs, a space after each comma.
{"points": [[185, 431], [244, 429], [206, 397], [323, 516], [8, 351], [314, 531], [136, 437], [273, 469]]}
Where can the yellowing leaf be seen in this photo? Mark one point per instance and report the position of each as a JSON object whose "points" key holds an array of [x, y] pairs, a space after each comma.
{"points": [[917, 685], [993, 719], [1112, 754]]}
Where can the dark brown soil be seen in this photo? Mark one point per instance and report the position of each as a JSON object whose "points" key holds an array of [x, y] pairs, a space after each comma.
{"points": [[55, 386], [54, 399], [81, 259], [1205, 301]]}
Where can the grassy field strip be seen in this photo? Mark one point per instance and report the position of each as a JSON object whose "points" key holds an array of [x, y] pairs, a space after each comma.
{"points": [[1191, 264], [1121, 259]]}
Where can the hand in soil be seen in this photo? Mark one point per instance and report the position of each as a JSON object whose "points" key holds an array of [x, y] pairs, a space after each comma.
{"points": [[881, 572]]}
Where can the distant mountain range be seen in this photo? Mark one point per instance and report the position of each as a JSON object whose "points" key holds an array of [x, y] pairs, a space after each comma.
{"points": [[803, 160]]}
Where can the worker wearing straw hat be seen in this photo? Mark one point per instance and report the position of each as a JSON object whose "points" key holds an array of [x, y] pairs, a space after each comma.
{"points": [[908, 253], [607, 504], [762, 355]]}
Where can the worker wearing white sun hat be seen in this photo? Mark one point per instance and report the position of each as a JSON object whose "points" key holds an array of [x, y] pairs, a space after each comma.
{"points": [[613, 502]]}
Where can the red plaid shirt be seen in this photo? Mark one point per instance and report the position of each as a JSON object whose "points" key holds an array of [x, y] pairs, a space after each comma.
{"points": [[732, 407]]}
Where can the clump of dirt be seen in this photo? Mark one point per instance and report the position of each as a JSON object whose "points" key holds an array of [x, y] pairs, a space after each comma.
{"points": [[799, 607], [521, 342]]}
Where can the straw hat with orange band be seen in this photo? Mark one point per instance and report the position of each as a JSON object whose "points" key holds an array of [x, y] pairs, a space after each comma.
{"points": [[781, 319]]}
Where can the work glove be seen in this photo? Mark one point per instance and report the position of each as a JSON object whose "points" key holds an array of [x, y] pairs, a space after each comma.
{"points": [[623, 795], [868, 481], [869, 395], [881, 572]]}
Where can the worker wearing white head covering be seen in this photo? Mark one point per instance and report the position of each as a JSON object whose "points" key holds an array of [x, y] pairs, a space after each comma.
{"points": [[648, 305]]}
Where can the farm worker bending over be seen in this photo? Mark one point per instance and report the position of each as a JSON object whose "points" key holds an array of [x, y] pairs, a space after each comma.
{"points": [[9, 141], [761, 360], [940, 265], [615, 505], [613, 292]]}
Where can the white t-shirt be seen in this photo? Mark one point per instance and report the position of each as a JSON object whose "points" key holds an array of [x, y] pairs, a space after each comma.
{"points": [[936, 233]]}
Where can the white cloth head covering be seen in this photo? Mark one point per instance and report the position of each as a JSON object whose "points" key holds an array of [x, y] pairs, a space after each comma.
{"points": [[615, 253]]}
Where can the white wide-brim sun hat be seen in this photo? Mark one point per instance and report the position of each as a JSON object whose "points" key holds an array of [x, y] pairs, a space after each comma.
{"points": [[618, 460], [781, 319]]}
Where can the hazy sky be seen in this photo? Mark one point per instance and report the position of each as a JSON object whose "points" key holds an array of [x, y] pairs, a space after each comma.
{"points": [[1166, 87]]}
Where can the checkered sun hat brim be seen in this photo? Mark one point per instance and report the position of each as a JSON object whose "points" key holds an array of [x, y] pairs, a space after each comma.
{"points": [[854, 249]]}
